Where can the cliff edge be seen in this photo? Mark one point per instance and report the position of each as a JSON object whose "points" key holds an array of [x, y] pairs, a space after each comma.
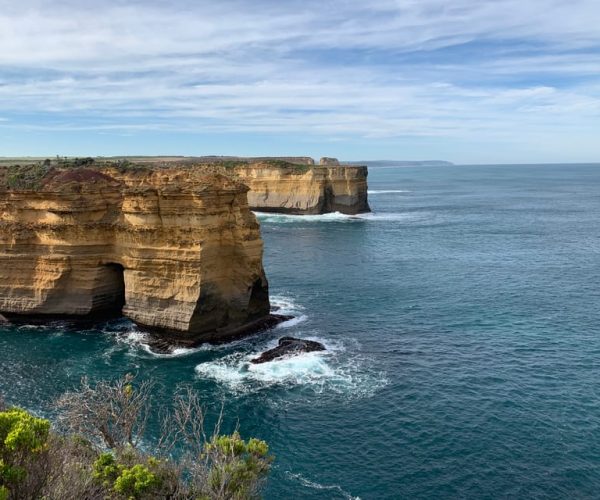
{"points": [[303, 190], [292, 185], [174, 250]]}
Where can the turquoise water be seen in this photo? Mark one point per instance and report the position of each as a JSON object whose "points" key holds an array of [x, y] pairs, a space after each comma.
{"points": [[463, 324]]}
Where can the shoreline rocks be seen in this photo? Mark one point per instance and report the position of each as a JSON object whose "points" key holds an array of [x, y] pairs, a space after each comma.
{"points": [[162, 342], [288, 346]]}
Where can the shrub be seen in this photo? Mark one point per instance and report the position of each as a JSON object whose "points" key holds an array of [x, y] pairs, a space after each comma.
{"points": [[237, 467], [113, 413], [26, 176], [23, 443], [98, 456], [137, 481]]}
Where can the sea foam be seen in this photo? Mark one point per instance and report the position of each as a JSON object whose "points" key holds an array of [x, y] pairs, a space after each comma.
{"points": [[139, 342], [333, 217], [387, 191], [333, 370], [318, 486]]}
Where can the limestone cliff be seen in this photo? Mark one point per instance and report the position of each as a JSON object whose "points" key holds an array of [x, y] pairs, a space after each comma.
{"points": [[305, 190], [288, 185], [294, 185], [176, 250]]}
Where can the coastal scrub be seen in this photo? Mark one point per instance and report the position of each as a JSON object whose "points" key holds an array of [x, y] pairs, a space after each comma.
{"points": [[98, 450]]}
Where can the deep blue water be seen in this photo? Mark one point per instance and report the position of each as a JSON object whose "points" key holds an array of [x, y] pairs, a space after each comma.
{"points": [[463, 323]]}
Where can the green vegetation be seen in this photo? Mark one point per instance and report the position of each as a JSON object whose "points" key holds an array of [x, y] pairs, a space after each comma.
{"points": [[26, 176], [30, 176], [124, 165], [286, 164], [96, 451], [23, 444], [64, 162], [135, 481], [273, 163], [232, 163]]}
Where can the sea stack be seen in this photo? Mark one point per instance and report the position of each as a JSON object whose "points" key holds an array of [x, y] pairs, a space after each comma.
{"points": [[173, 250]]}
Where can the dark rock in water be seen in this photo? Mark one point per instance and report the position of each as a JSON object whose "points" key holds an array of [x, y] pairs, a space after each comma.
{"points": [[288, 345], [3, 320], [164, 342]]}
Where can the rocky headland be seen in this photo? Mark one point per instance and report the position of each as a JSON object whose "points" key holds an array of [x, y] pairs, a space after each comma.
{"points": [[174, 249], [290, 185]]}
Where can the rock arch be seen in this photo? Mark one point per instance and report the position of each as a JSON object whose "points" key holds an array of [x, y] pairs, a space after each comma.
{"points": [[178, 252]]}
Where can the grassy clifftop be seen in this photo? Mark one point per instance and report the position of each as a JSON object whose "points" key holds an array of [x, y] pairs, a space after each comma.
{"points": [[29, 173]]}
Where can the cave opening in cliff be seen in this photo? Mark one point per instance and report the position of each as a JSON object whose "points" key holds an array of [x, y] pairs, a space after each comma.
{"points": [[114, 297], [259, 296]]}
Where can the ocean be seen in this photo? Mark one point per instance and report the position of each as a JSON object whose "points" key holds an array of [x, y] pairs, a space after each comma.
{"points": [[462, 321]]}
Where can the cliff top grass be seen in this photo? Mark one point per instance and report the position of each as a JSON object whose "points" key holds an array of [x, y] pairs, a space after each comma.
{"points": [[28, 173], [271, 163], [30, 176]]}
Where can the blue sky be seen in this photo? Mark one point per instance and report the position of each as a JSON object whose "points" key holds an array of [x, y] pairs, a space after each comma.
{"points": [[470, 81]]}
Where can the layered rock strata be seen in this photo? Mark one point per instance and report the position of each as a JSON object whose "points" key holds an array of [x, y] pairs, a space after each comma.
{"points": [[294, 187], [174, 250], [305, 191]]}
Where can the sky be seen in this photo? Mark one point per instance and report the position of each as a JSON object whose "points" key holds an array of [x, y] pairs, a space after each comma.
{"points": [[468, 81]]}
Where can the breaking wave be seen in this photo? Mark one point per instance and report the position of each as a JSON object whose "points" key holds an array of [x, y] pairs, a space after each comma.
{"points": [[333, 217], [137, 341], [330, 217], [387, 191], [284, 304], [332, 370], [318, 486]]}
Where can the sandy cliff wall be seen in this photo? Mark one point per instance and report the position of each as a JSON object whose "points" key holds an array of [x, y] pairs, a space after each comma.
{"points": [[300, 189], [178, 252]]}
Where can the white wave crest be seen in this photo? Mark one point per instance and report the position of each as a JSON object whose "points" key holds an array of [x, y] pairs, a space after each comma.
{"points": [[387, 191], [388, 217], [287, 218], [138, 341], [323, 371], [293, 322], [284, 304], [318, 486], [334, 217], [235, 371]]}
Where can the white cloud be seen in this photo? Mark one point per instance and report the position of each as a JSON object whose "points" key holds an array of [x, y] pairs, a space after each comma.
{"points": [[349, 68]]}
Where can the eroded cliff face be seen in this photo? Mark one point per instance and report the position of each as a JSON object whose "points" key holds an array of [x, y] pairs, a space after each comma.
{"points": [[176, 250], [300, 189]]}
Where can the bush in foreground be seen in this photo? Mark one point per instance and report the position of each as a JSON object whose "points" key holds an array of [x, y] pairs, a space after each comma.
{"points": [[96, 453]]}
